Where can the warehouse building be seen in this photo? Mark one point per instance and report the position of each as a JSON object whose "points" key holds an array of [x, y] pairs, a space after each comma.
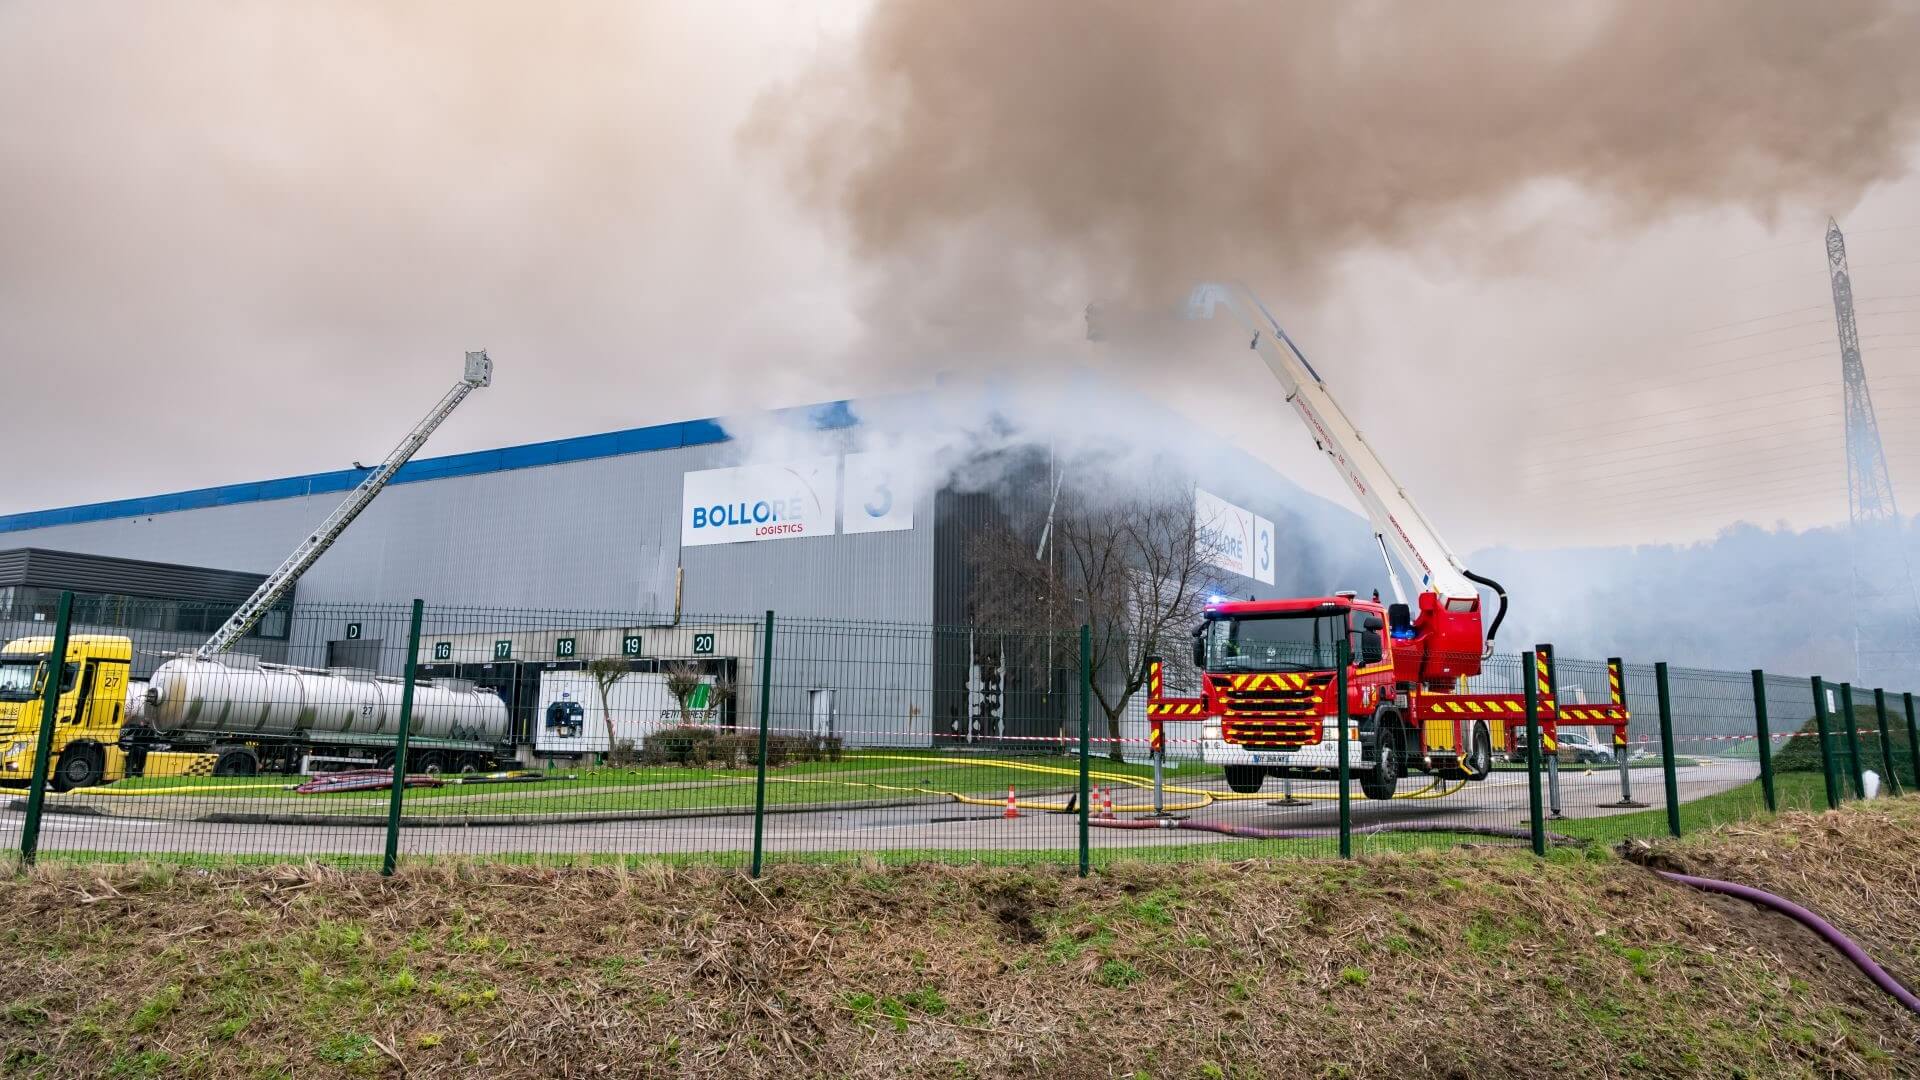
{"points": [[668, 543]]}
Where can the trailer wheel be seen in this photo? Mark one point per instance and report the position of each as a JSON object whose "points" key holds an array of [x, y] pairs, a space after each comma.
{"points": [[78, 767], [236, 761], [1380, 781], [1245, 779], [433, 762]]}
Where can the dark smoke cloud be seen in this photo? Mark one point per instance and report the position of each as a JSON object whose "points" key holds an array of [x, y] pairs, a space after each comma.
{"points": [[1004, 160]]}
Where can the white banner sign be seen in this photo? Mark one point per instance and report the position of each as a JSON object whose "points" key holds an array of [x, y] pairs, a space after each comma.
{"points": [[1237, 540], [759, 502], [875, 500]]}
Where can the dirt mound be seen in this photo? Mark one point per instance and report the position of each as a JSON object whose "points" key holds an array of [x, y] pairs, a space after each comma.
{"points": [[1470, 963]]}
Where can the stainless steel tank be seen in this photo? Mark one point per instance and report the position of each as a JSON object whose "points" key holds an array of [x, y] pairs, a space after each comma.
{"points": [[243, 696]]}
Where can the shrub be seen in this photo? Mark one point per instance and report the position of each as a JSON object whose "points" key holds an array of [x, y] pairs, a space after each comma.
{"points": [[734, 747], [1802, 754], [682, 745]]}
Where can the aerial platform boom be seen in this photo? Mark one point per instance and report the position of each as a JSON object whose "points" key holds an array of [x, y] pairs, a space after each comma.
{"points": [[1398, 524], [479, 373]]}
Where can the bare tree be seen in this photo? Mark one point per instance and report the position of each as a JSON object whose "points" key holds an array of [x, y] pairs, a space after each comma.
{"points": [[607, 671], [1132, 566], [684, 680]]}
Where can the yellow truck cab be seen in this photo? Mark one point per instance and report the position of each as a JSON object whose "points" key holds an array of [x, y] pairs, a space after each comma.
{"points": [[93, 698]]}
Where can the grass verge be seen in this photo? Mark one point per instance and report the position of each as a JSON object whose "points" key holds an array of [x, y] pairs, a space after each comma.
{"points": [[1255, 968]]}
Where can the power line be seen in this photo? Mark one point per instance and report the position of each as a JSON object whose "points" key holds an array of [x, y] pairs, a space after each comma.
{"points": [[1614, 480], [1576, 475], [1662, 499], [1756, 433], [1597, 402], [1577, 432], [1574, 392]]}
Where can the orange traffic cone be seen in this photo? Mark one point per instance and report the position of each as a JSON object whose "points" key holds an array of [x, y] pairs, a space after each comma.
{"points": [[1106, 800], [1013, 808]]}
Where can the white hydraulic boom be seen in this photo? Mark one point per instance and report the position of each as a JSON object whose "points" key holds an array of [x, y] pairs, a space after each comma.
{"points": [[1398, 525], [479, 373]]}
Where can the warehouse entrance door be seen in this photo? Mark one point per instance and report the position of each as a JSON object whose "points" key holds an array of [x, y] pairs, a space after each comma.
{"points": [[820, 702], [357, 653]]}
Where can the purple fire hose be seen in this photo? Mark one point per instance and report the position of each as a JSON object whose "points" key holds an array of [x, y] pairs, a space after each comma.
{"points": [[1829, 933], [1249, 832]]}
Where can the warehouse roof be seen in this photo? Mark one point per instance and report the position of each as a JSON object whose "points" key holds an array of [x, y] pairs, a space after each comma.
{"points": [[834, 414]]}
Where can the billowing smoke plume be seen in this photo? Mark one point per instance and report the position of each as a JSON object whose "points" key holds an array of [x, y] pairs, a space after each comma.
{"points": [[1003, 161]]}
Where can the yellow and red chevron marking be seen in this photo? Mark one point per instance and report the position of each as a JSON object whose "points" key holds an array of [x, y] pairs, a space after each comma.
{"points": [[1470, 706], [1613, 686], [1278, 734], [1193, 709], [1274, 681], [1593, 714], [1153, 680], [1156, 738], [1543, 676]]}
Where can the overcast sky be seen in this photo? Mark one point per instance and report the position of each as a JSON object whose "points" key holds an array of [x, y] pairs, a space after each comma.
{"points": [[243, 240]]}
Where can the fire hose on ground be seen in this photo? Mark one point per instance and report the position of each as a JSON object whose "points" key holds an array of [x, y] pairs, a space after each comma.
{"points": [[1828, 933], [1249, 832]]}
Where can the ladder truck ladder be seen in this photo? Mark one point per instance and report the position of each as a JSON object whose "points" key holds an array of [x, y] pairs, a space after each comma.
{"points": [[1398, 525], [479, 373]]}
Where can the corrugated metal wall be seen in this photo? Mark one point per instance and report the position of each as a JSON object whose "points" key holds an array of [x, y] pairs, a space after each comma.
{"points": [[596, 535]]}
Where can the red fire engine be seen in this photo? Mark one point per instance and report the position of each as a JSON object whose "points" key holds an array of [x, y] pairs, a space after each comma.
{"points": [[1267, 703]]}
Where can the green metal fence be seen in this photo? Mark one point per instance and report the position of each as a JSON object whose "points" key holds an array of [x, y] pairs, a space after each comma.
{"points": [[755, 740]]}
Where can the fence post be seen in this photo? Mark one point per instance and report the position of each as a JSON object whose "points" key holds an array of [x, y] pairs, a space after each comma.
{"points": [[1086, 709], [1530, 682], [1886, 742], [1826, 737], [1666, 746], [1853, 739], [1913, 738], [399, 793], [43, 745], [1340, 713], [1550, 672], [1766, 739], [1617, 694], [760, 769]]}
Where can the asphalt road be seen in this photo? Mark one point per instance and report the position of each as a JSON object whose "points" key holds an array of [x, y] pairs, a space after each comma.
{"points": [[1500, 800]]}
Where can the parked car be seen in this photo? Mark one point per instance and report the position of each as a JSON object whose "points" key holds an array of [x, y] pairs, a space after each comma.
{"points": [[1575, 748]]}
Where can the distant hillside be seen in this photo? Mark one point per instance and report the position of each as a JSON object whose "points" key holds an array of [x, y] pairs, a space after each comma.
{"points": [[1750, 597]]}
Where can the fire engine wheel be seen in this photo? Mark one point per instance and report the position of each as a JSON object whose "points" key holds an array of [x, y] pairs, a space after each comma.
{"points": [[1245, 779], [1380, 781], [1479, 753], [78, 767]]}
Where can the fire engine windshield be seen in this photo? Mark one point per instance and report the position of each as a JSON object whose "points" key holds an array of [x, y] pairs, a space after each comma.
{"points": [[16, 679], [1289, 642]]}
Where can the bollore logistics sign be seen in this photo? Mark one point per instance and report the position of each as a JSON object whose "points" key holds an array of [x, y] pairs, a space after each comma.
{"points": [[759, 502], [1237, 540]]}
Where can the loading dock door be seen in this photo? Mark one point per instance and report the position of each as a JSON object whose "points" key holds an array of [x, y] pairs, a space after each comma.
{"points": [[357, 653]]}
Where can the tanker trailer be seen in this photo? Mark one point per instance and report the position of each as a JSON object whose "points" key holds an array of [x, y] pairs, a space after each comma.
{"points": [[255, 716]]}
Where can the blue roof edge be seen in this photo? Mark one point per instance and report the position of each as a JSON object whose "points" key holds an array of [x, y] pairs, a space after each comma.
{"points": [[826, 417]]}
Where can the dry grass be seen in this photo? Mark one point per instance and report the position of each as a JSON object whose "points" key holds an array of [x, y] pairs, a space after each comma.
{"points": [[1465, 963], [1859, 870]]}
